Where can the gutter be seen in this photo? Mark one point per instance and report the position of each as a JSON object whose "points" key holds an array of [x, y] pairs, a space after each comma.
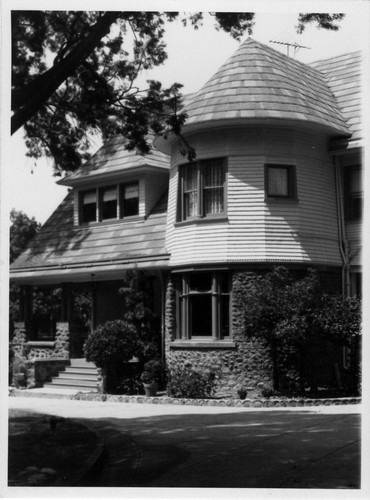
{"points": [[343, 242]]}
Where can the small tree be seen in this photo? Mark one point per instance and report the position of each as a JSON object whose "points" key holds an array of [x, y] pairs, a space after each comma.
{"points": [[339, 320], [137, 295], [110, 347], [289, 313]]}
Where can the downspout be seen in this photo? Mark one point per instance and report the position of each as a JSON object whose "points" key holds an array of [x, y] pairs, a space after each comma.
{"points": [[343, 243], [163, 314]]}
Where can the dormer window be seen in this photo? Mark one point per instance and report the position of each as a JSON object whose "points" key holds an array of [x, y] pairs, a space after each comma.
{"points": [[88, 206], [107, 203]]}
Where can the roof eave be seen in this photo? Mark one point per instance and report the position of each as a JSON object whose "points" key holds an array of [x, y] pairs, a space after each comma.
{"points": [[107, 176], [164, 145]]}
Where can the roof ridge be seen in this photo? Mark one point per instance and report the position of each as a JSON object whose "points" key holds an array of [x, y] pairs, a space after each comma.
{"points": [[357, 52]]}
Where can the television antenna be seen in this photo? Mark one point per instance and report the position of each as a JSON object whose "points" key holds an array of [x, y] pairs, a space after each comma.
{"points": [[295, 45]]}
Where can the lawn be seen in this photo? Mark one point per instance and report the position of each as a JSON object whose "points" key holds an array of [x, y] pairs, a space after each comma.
{"points": [[45, 450]]}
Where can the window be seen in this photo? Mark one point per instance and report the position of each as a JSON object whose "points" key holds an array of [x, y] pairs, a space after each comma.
{"points": [[353, 193], [109, 203], [88, 206], [280, 181], [203, 306], [129, 200], [202, 189]]}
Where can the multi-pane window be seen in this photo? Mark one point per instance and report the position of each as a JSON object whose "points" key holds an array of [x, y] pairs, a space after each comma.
{"points": [[110, 202], [280, 181], [202, 189], [129, 200], [88, 205], [203, 306], [353, 193]]}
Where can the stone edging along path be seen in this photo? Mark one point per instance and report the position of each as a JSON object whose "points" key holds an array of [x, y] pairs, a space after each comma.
{"points": [[246, 403]]}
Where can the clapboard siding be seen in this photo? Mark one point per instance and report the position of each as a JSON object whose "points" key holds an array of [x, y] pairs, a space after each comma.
{"points": [[155, 186], [260, 230]]}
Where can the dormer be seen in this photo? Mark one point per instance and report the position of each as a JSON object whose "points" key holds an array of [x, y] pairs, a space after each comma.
{"points": [[117, 185]]}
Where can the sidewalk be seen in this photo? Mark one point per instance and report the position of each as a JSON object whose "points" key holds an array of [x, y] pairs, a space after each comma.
{"points": [[210, 447]]}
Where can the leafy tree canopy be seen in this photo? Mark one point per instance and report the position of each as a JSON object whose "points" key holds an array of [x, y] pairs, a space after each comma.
{"points": [[74, 72], [22, 230]]}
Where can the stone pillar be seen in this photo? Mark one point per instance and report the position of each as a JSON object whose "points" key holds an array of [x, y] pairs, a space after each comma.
{"points": [[19, 339], [61, 349]]}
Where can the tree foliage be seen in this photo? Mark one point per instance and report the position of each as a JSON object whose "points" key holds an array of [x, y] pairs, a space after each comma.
{"points": [[74, 75], [22, 230], [138, 309], [289, 313]]}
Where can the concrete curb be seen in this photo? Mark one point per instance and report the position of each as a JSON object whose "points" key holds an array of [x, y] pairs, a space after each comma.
{"points": [[242, 403], [166, 400]]}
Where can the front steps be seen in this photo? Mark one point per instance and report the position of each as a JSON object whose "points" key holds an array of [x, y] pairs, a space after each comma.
{"points": [[79, 376]]}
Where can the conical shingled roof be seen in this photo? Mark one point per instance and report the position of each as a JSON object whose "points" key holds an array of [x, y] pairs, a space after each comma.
{"points": [[259, 83]]}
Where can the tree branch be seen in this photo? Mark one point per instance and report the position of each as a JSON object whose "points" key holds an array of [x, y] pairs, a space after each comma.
{"points": [[27, 101]]}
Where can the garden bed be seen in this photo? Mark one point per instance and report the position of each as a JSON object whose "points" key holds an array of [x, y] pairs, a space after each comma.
{"points": [[48, 451]]}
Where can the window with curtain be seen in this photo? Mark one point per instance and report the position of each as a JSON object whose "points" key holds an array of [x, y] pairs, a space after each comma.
{"points": [[280, 181], [202, 189]]}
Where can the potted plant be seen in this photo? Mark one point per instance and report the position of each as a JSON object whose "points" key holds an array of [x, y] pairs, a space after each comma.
{"points": [[152, 376], [150, 386]]}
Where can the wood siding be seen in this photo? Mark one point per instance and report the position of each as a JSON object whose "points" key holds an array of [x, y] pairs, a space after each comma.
{"points": [[303, 230]]}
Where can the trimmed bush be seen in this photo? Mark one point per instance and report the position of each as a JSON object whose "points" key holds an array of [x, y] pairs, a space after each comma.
{"points": [[187, 382]]}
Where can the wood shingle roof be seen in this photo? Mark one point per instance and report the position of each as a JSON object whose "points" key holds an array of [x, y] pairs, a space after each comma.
{"points": [[343, 76], [113, 158], [260, 83], [63, 250]]}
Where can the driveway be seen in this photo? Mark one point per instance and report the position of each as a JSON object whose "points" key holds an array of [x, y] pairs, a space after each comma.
{"points": [[208, 447]]}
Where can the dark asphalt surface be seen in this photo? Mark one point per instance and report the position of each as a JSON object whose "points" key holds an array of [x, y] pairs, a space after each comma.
{"points": [[162, 446]]}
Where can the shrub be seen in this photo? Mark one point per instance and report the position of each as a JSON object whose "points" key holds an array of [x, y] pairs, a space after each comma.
{"points": [[19, 371], [187, 382], [111, 346], [130, 386], [112, 341]]}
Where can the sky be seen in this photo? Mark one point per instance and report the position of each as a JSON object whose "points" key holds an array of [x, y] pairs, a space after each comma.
{"points": [[194, 56]]}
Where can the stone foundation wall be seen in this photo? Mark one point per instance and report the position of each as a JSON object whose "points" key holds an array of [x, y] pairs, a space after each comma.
{"points": [[57, 349], [247, 364]]}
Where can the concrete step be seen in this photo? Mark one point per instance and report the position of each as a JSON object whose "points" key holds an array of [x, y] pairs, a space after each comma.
{"points": [[76, 376], [81, 375], [58, 382], [81, 362], [73, 370]]}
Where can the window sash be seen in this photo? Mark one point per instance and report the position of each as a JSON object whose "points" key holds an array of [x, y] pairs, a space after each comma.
{"points": [[280, 181], [202, 189], [109, 203], [203, 312]]}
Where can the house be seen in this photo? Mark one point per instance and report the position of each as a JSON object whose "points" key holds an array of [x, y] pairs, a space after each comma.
{"points": [[276, 180]]}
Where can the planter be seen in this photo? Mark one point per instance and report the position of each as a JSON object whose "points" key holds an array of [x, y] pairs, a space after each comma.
{"points": [[150, 389]]}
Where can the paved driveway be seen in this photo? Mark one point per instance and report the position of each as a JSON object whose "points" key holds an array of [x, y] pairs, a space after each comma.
{"points": [[192, 447]]}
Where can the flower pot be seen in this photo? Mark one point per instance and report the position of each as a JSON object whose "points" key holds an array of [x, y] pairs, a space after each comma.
{"points": [[150, 389]]}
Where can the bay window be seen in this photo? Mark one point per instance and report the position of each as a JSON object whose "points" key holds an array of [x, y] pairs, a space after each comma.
{"points": [[202, 189], [203, 306]]}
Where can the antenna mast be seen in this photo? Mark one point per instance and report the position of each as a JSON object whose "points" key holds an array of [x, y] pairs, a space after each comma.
{"points": [[295, 45]]}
